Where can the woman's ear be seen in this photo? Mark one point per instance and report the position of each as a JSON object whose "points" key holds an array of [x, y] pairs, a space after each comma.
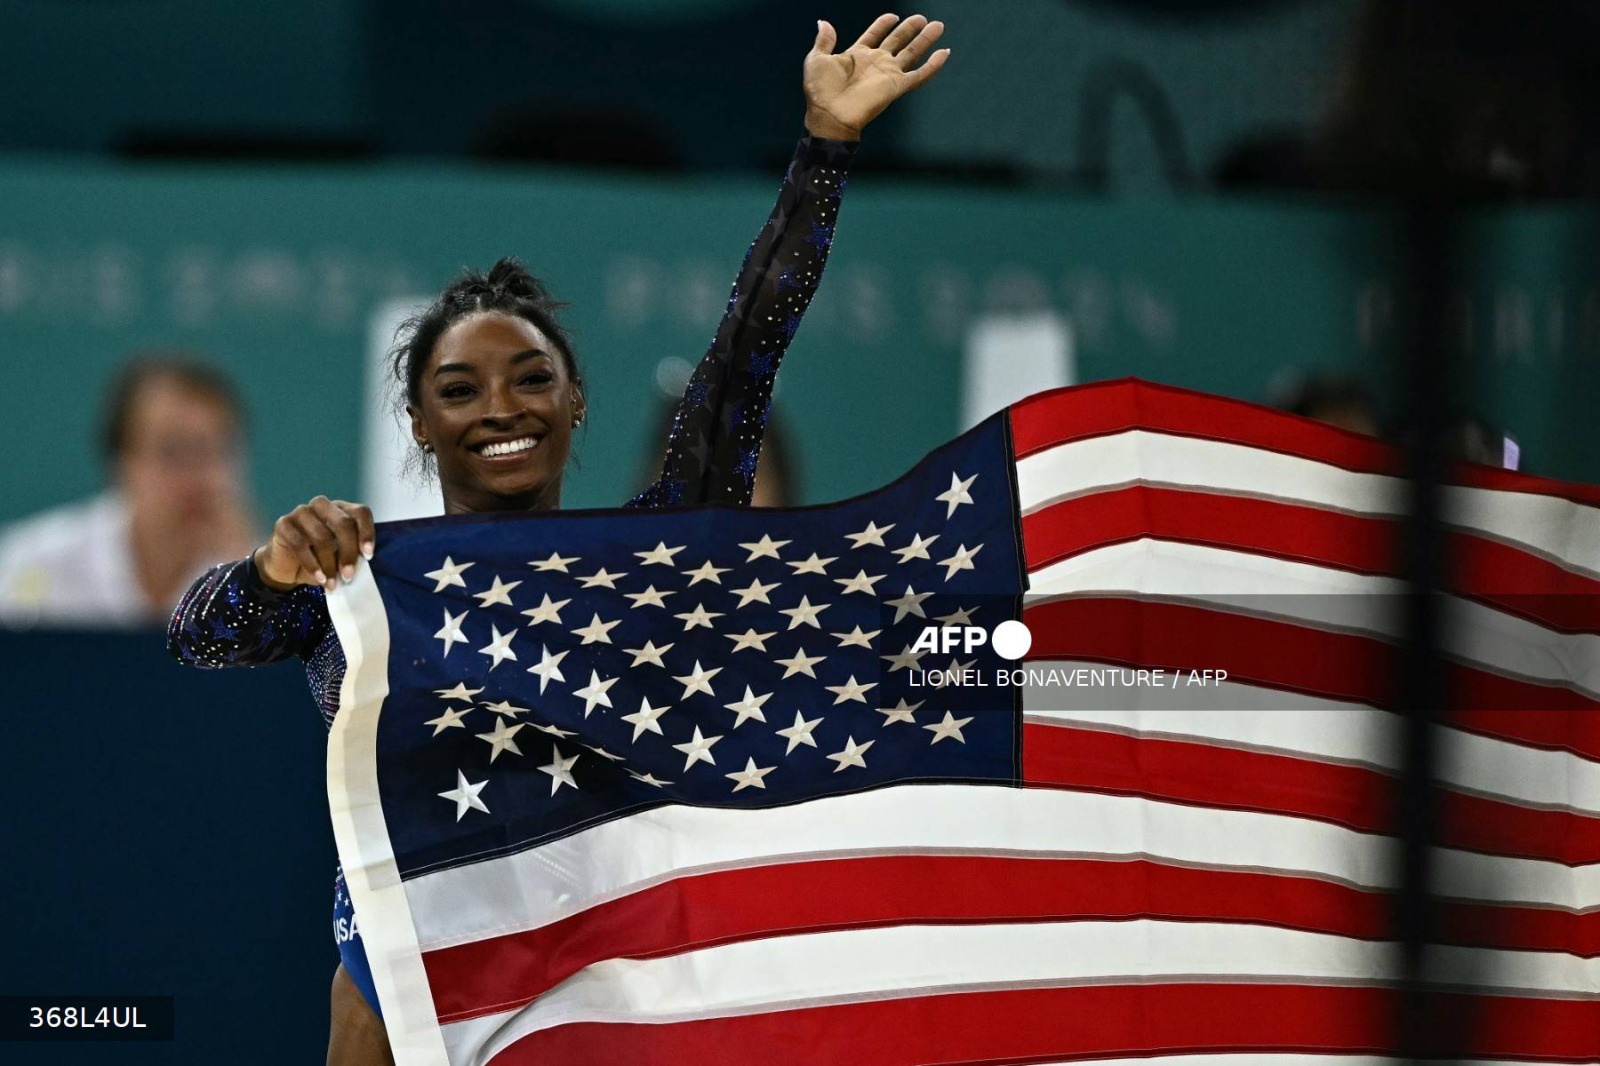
{"points": [[418, 434], [580, 410]]}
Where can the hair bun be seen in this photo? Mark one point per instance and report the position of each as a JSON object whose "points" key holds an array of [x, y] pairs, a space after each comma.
{"points": [[512, 278]]}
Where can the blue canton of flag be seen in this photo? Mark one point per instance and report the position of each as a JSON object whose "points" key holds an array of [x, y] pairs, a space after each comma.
{"points": [[548, 673]]}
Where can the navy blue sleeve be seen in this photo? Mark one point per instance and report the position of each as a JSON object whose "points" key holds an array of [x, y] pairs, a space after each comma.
{"points": [[229, 617], [718, 426]]}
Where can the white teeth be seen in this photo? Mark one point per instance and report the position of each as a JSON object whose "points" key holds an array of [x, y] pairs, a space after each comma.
{"points": [[509, 447]]}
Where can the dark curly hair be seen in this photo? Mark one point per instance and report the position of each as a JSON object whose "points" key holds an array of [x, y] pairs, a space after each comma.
{"points": [[507, 288]]}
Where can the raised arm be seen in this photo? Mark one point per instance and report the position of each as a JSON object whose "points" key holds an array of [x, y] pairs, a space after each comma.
{"points": [[719, 423]]}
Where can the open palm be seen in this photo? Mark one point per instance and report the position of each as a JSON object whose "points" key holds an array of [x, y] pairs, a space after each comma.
{"points": [[844, 92]]}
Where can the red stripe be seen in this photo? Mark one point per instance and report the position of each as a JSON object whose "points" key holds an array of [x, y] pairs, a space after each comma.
{"points": [[1264, 652], [700, 911], [1210, 775], [1356, 797], [1512, 580], [1095, 410], [1554, 730], [1042, 1025]]}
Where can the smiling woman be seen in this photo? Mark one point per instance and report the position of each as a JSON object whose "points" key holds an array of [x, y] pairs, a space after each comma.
{"points": [[494, 393]]}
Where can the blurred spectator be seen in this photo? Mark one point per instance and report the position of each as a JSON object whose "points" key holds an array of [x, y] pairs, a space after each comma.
{"points": [[172, 436], [1335, 399]]}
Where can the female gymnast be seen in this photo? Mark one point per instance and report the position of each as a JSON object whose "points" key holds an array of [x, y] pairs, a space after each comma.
{"points": [[494, 393]]}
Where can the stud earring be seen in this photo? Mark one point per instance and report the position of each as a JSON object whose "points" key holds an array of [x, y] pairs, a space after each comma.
{"points": [[427, 447]]}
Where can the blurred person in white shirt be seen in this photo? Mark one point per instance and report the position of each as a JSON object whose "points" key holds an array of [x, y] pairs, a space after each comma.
{"points": [[173, 437]]}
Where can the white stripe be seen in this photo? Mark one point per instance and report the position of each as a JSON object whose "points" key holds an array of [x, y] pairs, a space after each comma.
{"points": [[1262, 586], [361, 832], [1559, 530], [542, 885], [1253, 718], [856, 965]]}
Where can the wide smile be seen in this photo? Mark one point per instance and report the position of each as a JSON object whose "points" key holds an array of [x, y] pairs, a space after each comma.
{"points": [[507, 451]]}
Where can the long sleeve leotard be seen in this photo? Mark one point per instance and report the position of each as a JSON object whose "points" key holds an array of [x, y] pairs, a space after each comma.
{"points": [[229, 617]]}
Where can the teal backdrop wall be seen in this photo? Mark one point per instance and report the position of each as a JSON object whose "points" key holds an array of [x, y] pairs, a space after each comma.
{"points": [[275, 272]]}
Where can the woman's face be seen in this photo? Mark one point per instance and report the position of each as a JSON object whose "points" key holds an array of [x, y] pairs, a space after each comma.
{"points": [[498, 407]]}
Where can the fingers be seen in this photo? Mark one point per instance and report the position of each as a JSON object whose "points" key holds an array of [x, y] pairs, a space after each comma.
{"points": [[903, 33], [319, 543], [827, 37], [346, 535], [913, 52], [877, 31], [916, 79]]}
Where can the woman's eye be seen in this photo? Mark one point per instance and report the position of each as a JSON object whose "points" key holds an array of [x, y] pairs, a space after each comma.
{"points": [[456, 391], [538, 377]]}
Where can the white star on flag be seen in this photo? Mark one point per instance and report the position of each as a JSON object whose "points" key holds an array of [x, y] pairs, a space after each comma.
{"points": [[765, 547], [556, 562], [805, 614], [547, 611], [499, 592], [750, 776], [560, 770], [594, 692], [813, 565], [698, 749], [505, 709], [873, 534], [862, 582], [855, 638], [698, 681], [649, 654], [465, 796], [852, 754], [548, 668], [649, 597], [850, 690], [901, 712], [801, 663], [697, 617], [800, 732], [596, 632], [601, 577], [553, 730], [450, 719], [910, 603], [660, 555], [961, 560], [749, 639], [645, 718], [604, 754], [749, 707], [959, 617], [499, 649], [904, 661], [705, 572], [754, 591], [950, 727], [649, 779], [917, 549], [460, 692], [957, 493], [449, 574], [450, 632], [501, 739]]}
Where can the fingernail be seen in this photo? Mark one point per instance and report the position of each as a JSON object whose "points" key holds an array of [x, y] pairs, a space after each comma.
{"points": [[332, 584], [366, 549], [348, 573], [321, 578]]}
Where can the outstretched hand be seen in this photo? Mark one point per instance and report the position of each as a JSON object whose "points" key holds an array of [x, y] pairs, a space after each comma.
{"points": [[844, 92]]}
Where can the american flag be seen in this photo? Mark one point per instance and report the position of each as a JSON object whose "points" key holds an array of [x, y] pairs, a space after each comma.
{"points": [[659, 787]]}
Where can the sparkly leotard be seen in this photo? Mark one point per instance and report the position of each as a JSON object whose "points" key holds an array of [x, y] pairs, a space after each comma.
{"points": [[230, 618]]}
